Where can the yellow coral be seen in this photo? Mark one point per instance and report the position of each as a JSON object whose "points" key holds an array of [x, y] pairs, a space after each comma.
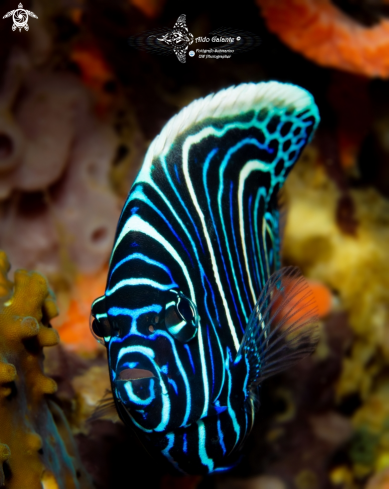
{"points": [[36, 446], [306, 479], [357, 268], [342, 476]]}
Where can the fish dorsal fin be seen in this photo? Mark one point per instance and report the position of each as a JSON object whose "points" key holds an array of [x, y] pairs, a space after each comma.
{"points": [[279, 114], [282, 328], [235, 101]]}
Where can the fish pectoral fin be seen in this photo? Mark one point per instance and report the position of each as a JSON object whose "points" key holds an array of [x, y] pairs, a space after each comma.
{"points": [[282, 328], [105, 409]]}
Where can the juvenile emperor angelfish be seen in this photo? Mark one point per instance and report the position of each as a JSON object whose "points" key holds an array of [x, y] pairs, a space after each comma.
{"points": [[196, 311]]}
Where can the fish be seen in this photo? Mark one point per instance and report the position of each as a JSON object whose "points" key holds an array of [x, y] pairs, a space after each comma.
{"points": [[197, 309]]}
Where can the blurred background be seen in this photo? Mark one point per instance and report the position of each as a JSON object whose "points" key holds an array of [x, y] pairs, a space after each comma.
{"points": [[79, 107]]}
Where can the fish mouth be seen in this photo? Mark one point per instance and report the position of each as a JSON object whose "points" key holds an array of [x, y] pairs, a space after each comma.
{"points": [[135, 374]]}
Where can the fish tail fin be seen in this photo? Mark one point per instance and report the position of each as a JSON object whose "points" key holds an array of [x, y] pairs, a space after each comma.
{"points": [[283, 326]]}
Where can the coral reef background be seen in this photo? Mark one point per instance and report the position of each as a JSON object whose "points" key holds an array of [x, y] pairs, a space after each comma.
{"points": [[37, 448], [78, 108]]}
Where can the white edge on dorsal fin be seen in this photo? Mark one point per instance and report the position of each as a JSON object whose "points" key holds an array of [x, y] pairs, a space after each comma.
{"points": [[229, 102]]}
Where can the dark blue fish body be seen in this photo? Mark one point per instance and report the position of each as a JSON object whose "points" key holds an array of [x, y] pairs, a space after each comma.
{"points": [[188, 316]]}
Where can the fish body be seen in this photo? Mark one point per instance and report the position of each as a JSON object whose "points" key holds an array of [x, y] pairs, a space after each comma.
{"points": [[191, 313]]}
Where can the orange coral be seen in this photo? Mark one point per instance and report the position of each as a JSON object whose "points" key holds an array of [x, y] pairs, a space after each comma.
{"points": [[94, 69], [304, 299], [150, 8], [36, 446], [95, 73], [323, 297], [76, 15], [73, 327], [327, 36]]}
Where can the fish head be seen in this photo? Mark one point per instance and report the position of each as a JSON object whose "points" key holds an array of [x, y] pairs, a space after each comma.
{"points": [[147, 325]]}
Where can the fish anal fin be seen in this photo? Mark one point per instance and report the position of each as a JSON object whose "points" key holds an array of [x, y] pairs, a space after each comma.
{"points": [[282, 328]]}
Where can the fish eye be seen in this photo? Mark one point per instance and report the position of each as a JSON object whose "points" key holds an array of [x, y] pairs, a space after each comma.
{"points": [[100, 328], [181, 318]]}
